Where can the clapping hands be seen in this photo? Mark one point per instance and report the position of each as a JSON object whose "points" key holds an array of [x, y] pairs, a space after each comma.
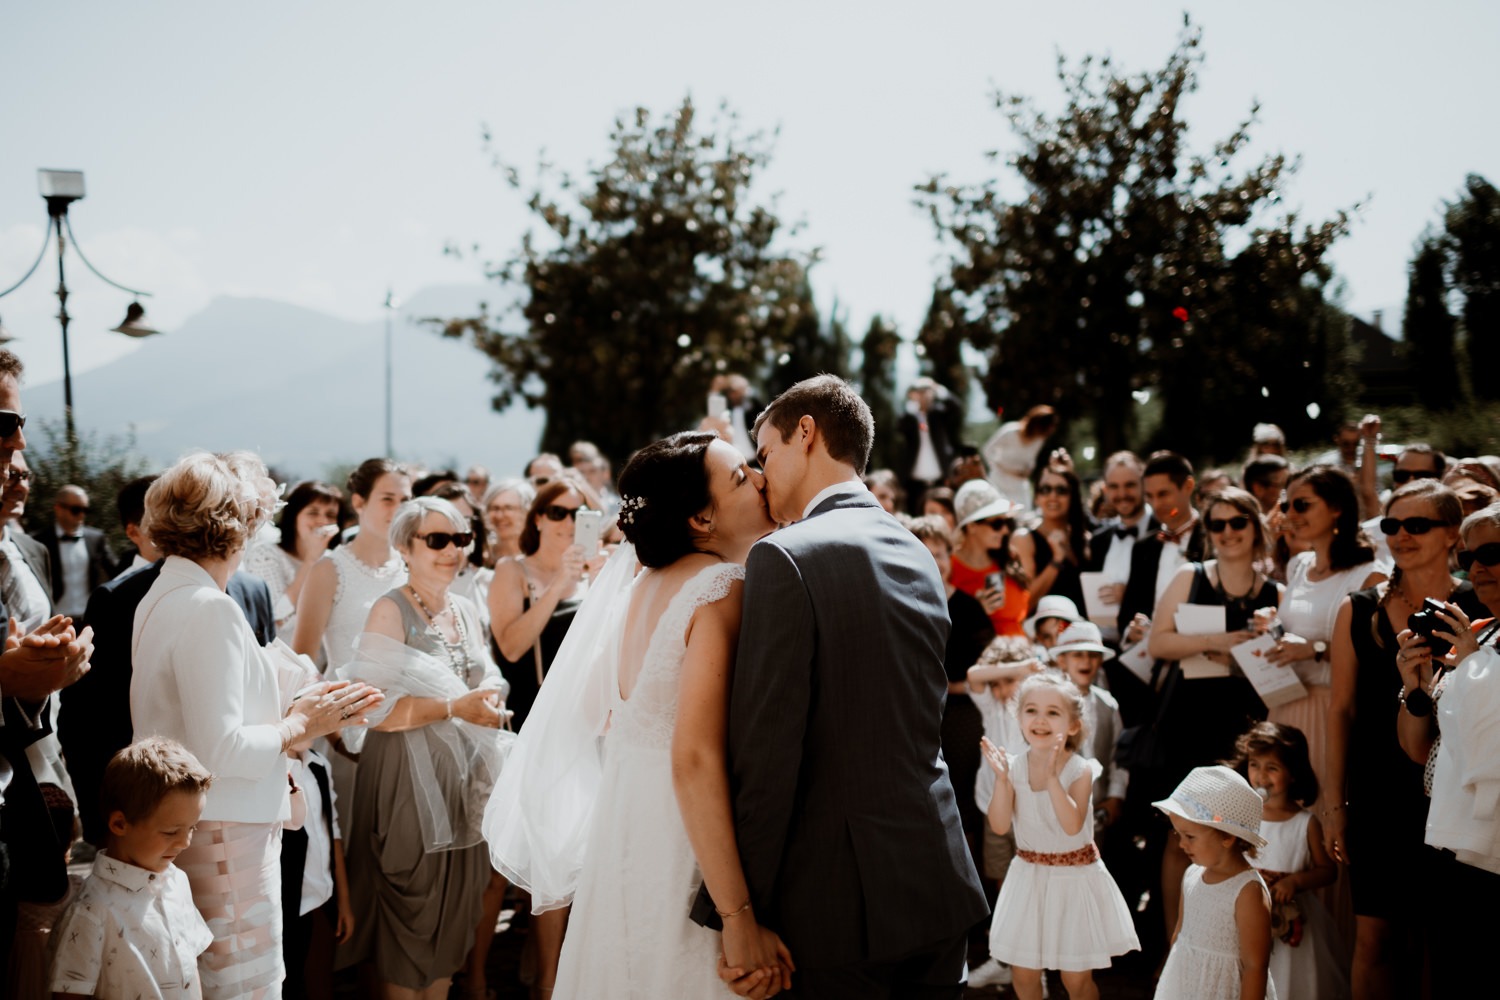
{"points": [[996, 759], [46, 659]]}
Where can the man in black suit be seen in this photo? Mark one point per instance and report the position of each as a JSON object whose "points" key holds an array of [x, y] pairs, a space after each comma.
{"points": [[845, 817], [1115, 537], [94, 723], [81, 557], [930, 429], [32, 667]]}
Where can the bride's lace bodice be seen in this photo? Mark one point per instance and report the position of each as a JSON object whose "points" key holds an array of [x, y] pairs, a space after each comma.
{"points": [[647, 717]]}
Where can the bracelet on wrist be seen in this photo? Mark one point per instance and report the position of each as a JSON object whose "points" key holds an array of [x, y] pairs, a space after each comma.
{"points": [[448, 716], [727, 914]]}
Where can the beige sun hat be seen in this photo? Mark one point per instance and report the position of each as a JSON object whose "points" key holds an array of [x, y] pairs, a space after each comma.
{"points": [[977, 500], [1218, 798], [1082, 637]]}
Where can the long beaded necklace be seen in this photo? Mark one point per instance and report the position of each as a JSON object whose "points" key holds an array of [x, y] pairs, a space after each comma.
{"points": [[458, 652]]}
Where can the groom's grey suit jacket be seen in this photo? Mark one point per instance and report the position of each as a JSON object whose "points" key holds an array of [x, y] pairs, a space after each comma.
{"points": [[847, 825]]}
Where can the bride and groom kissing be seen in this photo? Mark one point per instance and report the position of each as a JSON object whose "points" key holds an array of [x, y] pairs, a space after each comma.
{"points": [[732, 773]]}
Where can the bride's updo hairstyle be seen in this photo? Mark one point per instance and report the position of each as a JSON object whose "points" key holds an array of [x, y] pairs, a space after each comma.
{"points": [[661, 488]]}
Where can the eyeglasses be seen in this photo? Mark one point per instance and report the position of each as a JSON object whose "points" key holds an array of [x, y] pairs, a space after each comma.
{"points": [[1407, 475], [1218, 525], [997, 523], [1487, 555], [1301, 505], [19, 475], [1413, 525], [437, 541], [1051, 489], [557, 512], [10, 422], [76, 509]]}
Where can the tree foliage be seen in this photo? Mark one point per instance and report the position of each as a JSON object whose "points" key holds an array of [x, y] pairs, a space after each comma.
{"points": [[102, 465], [651, 275], [1129, 262], [877, 384], [1429, 329], [1473, 229]]}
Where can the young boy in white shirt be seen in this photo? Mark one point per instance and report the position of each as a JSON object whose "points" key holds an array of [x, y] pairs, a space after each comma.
{"points": [[133, 930]]}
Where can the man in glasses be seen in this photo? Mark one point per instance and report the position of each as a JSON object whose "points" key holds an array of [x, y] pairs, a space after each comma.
{"points": [[81, 557], [32, 668]]}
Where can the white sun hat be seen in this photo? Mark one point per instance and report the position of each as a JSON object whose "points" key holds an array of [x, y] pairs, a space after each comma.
{"points": [[1082, 637], [1052, 606], [1218, 798], [977, 500]]}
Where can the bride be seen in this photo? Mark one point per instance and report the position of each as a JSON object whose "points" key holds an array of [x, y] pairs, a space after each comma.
{"points": [[616, 796]]}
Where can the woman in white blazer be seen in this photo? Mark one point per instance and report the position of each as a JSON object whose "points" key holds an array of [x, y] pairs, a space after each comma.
{"points": [[201, 678]]}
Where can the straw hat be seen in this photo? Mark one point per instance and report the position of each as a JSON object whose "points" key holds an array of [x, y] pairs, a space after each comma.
{"points": [[977, 500], [1082, 637], [1218, 798]]}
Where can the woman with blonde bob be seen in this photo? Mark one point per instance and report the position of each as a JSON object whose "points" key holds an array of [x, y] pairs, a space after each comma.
{"points": [[200, 678]]}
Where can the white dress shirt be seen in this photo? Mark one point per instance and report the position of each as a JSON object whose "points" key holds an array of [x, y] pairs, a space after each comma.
{"points": [[74, 558]]}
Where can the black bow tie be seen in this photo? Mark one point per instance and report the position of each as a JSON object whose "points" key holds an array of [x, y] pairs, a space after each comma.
{"points": [[70, 538], [1121, 531]]}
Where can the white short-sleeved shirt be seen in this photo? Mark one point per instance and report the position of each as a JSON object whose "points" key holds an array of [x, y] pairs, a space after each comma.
{"points": [[130, 933]]}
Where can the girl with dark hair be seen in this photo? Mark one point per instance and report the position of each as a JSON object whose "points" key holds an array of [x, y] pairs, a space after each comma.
{"points": [[309, 525], [1375, 813], [649, 658], [1321, 511], [1052, 553]]}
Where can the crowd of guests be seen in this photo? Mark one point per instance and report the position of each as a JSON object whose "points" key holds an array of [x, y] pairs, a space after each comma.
{"points": [[274, 726]]}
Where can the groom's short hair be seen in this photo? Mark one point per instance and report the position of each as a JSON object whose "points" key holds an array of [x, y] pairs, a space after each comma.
{"points": [[842, 417]]}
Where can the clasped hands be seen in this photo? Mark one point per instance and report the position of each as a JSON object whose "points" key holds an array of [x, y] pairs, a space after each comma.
{"points": [[755, 963], [48, 658]]}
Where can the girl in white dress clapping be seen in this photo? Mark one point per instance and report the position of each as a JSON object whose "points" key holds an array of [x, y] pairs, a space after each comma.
{"points": [[1058, 908]]}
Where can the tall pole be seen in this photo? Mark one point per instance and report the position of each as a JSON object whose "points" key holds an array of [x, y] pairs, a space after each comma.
{"points": [[390, 305], [59, 211]]}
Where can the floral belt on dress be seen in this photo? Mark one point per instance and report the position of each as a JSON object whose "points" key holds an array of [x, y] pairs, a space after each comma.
{"points": [[1085, 855]]}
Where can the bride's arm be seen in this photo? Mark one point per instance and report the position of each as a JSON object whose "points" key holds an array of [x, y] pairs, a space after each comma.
{"points": [[700, 775]]}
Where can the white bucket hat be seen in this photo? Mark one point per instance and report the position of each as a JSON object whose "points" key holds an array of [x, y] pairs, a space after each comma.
{"points": [[1218, 798], [1052, 606], [1082, 637], [977, 500]]}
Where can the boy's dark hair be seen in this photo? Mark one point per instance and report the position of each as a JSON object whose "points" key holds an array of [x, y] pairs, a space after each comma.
{"points": [[1169, 464], [1287, 744], [137, 778], [130, 502], [842, 417], [1259, 470]]}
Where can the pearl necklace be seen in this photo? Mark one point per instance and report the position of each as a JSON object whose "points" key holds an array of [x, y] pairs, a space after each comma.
{"points": [[458, 652]]}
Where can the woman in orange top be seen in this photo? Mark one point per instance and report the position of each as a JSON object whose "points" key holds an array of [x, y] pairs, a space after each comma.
{"points": [[982, 564]]}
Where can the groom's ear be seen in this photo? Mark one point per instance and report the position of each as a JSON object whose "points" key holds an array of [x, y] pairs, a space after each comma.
{"points": [[807, 433]]}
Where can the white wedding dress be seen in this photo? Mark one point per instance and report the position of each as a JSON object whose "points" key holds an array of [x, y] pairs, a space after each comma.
{"points": [[629, 935]]}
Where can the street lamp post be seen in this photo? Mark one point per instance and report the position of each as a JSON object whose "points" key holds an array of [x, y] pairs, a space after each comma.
{"points": [[60, 188], [391, 305]]}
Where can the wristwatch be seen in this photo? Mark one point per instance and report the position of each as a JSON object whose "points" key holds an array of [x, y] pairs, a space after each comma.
{"points": [[1320, 650], [1417, 702]]}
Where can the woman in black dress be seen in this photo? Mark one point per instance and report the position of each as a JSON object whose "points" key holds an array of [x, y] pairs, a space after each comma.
{"points": [[1199, 718], [1053, 552], [1379, 833]]}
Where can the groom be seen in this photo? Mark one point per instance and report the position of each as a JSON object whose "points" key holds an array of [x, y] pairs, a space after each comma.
{"points": [[847, 825]]}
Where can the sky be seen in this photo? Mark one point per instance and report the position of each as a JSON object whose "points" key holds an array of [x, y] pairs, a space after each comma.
{"points": [[314, 153]]}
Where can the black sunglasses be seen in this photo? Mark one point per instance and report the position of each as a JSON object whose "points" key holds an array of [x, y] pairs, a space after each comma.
{"points": [[1413, 525], [1400, 476], [557, 512], [1050, 489], [76, 509], [1487, 554], [1301, 505], [10, 422], [437, 541], [1217, 525], [998, 523]]}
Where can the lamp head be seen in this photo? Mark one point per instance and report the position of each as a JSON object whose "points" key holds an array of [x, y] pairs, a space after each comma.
{"points": [[134, 324], [61, 188]]}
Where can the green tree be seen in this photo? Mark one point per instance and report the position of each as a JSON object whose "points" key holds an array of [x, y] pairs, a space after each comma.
{"points": [[940, 342], [656, 272], [1473, 225], [877, 384], [812, 347], [99, 464], [1128, 262], [1428, 329]]}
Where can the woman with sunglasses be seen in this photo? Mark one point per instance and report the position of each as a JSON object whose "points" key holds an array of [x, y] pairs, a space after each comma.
{"points": [[1450, 706], [1199, 717], [1052, 553], [1373, 806], [983, 566], [1321, 513], [417, 860]]}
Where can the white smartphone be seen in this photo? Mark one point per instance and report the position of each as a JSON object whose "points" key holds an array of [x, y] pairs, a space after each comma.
{"points": [[718, 404], [587, 527]]}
